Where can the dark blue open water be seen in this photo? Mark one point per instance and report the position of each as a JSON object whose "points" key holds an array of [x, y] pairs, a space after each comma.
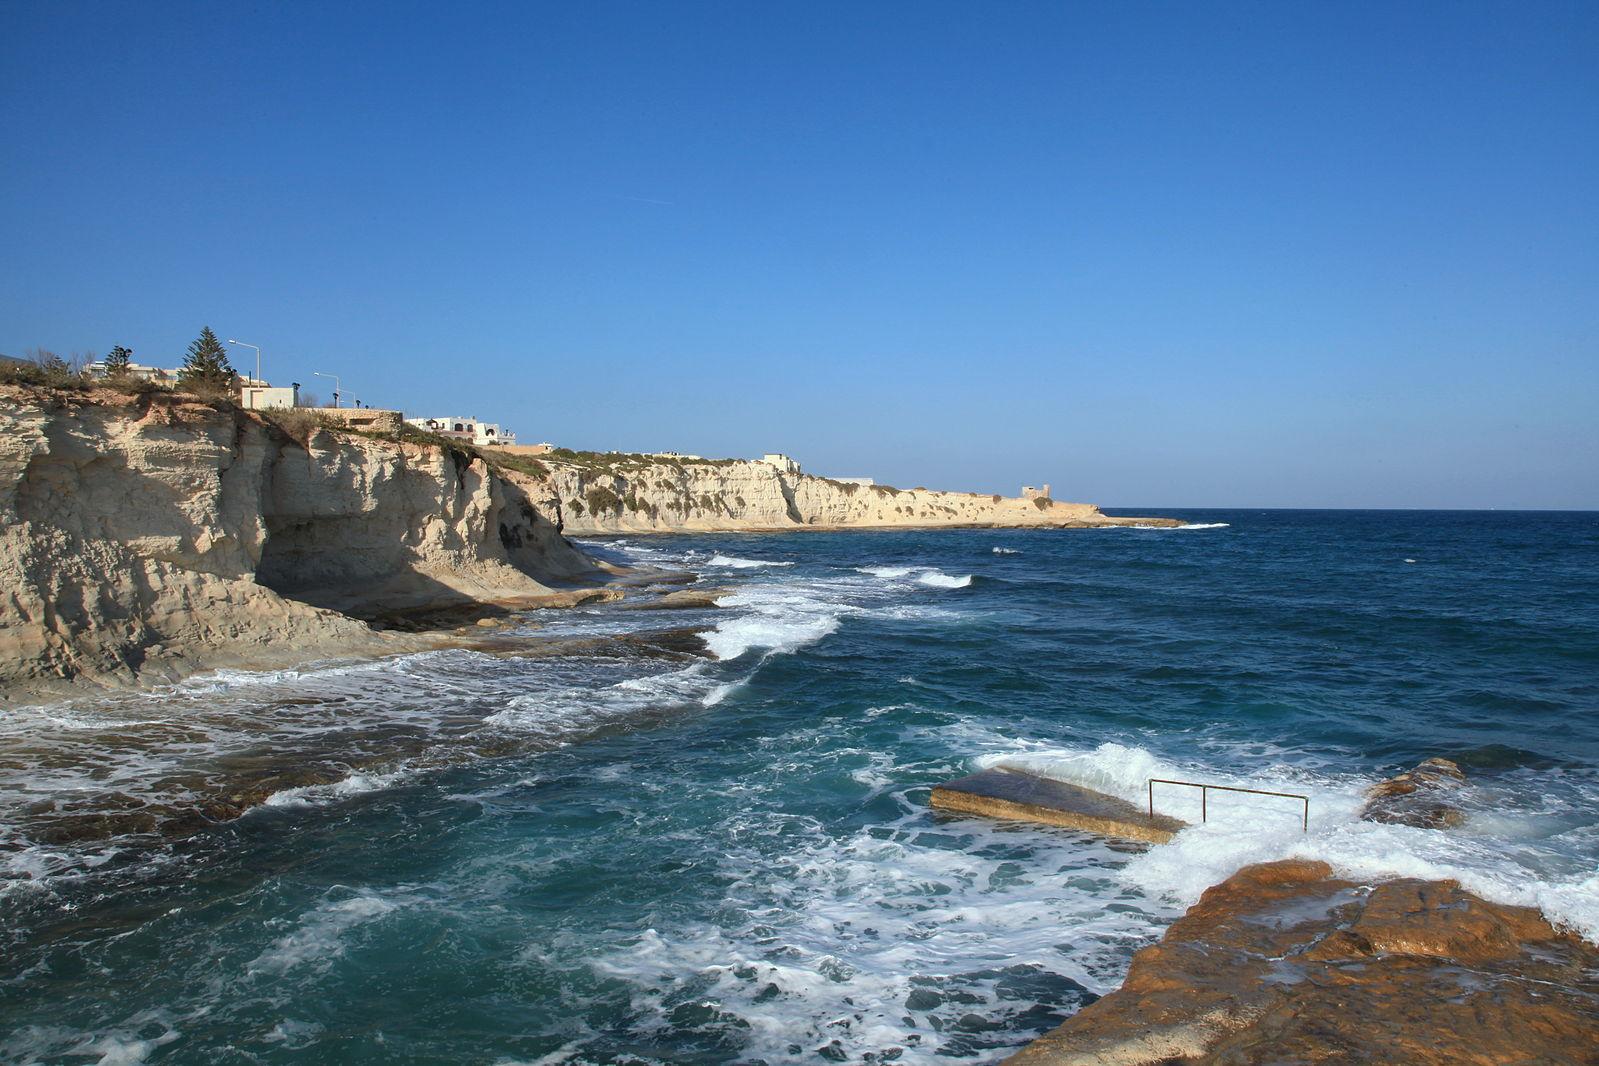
{"points": [[624, 855]]}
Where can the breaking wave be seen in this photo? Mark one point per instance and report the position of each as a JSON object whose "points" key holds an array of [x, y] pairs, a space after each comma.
{"points": [[1523, 858], [930, 576], [735, 563]]}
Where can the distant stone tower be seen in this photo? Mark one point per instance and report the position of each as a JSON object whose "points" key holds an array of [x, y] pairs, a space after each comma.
{"points": [[1031, 493]]}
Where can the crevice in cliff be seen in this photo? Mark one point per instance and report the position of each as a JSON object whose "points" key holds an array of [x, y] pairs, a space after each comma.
{"points": [[788, 500]]}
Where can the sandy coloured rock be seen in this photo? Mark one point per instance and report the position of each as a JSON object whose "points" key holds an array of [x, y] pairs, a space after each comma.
{"points": [[145, 537], [616, 494]]}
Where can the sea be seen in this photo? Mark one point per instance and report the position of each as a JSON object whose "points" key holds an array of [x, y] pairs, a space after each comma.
{"points": [[606, 835]]}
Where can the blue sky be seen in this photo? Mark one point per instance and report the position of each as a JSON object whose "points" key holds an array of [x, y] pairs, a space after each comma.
{"points": [[1155, 254]]}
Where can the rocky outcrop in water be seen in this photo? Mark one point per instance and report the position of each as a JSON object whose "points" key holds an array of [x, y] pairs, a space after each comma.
{"points": [[612, 493], [151, 536], [1283, 963], [1423, 797]]}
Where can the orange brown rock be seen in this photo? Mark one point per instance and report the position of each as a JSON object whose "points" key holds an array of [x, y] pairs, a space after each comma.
{"points": [[1284, 963]]}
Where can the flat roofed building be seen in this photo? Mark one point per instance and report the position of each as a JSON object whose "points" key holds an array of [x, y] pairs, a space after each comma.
{"points": [[483, 434], [136, 372], [259, 396]]}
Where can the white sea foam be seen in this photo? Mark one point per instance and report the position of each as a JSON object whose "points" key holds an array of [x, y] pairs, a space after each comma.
{"points": [[319, 937], [1006, 551], [316, 795], [563, 714], [893, 938], [777, 617], [886, 571], [1514, 860], [1173, 529], [926, 575], [734, 562]]}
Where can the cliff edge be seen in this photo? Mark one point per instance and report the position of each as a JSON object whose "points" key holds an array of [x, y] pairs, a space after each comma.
{"points": [[611, 492], [150, 536]]}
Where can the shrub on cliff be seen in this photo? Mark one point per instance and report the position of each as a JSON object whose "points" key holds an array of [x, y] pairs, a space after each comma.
{"points": [[301, 423], [602, 500], [522, 464], [1043, 503]]}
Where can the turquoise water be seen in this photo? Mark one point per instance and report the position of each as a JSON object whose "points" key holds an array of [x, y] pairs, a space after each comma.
{"points": [[629, 854]]}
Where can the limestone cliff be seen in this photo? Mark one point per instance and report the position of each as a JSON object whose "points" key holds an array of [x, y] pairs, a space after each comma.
{"points": [[153, 535], [611, 493]]}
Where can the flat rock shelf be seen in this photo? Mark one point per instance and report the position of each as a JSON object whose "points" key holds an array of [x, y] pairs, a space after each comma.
{"points": [[1001, 793]]}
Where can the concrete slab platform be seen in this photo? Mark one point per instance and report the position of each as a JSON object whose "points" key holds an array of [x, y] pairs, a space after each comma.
{"points": [[1000, 793]]}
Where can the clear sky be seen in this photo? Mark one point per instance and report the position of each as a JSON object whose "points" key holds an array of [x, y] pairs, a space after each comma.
{"points": [[1178, 254]]}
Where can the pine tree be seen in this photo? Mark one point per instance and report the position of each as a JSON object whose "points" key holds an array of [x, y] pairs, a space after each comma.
{"points": [[206, 368], [116, 364], [50, 362]]}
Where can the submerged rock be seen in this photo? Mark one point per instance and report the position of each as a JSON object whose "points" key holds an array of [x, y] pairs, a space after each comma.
{"points": [[682, 600], [1418, 797], [1283, 963]]}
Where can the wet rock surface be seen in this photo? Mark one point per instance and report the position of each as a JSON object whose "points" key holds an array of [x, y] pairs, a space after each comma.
{"points": [[1423, 797], [1002, 793], [1284, 963], [683, 600]]}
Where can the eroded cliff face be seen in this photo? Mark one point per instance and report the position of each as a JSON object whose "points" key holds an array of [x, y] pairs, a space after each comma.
{"points": [[666, 495], [154, 536]]}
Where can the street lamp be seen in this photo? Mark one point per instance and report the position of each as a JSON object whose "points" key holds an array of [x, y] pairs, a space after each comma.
{"points": [[241, 344], [335, 377]]}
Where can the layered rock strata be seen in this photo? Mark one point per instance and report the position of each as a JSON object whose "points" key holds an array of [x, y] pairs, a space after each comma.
{"points": [[151, 536], [616, 494]]}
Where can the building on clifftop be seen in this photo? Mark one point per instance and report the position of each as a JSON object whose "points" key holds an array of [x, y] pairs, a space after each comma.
{"points": [[482, 434], [781, 461], [1031, 493]]}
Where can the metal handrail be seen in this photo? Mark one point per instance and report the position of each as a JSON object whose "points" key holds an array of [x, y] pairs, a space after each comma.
{"points": [[1204, 796]]}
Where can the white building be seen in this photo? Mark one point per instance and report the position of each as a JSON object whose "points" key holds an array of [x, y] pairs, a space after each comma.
{"points": [[781, 461], [483, 434], [260, 396], [136, 372]]}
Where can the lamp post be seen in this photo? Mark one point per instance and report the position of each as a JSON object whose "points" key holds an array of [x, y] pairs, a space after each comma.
{"points": [[241, 344], [335, 377]]}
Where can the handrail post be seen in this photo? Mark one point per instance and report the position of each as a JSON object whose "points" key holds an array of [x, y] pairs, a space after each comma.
{"points": [[1204, 797]]}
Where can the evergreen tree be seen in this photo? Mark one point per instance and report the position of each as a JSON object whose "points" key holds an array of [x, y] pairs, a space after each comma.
{"points": [[206, 367], [50, 362], [116, 364]]}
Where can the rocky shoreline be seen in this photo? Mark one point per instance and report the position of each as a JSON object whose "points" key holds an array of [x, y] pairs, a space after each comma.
{"points": [[151, 536], [1288, 963], [144, 538]]}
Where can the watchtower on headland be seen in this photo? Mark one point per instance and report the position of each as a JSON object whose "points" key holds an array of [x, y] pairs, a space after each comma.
{"points": [[1031, 493]]}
